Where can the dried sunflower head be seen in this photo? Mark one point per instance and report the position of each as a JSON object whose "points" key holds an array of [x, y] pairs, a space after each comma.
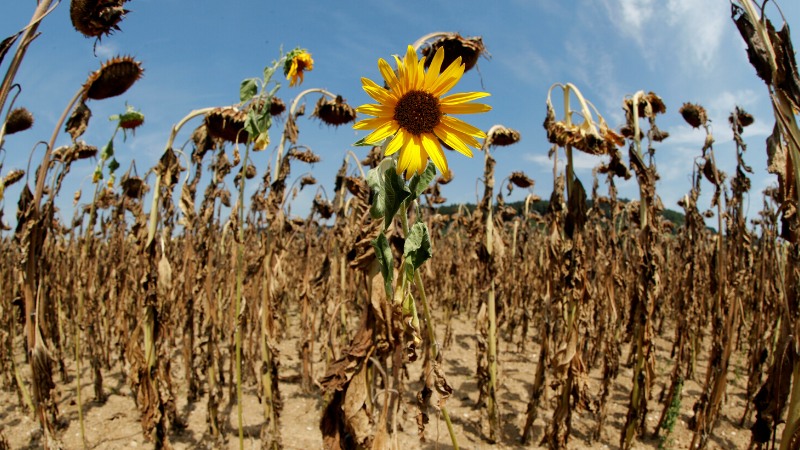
{"points": [[115, 77], [445, 177], [323, 207], [521, 180], [469, 49], [227, 124], [19, 119], [133, 187], [585, 137], [95, 18], [694, 115], [307, 180], [502, 136], [12, 177], [306, 156], [276, 106], [334, 112], [742, 118]]}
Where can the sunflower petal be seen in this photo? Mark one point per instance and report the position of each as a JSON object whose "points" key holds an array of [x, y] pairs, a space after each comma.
{"points": [[454, 139], [459, 125], [406, 158], [388, 74], [398, 142], [465, 108], [372, 109], [448, 78], [410, 65], [387, 129], [463, 97], [431, 145], [378, 93], [369, 124], [434, 69]]}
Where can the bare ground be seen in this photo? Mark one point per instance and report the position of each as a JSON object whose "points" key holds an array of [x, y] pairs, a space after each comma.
{"points": [[115, 424]]}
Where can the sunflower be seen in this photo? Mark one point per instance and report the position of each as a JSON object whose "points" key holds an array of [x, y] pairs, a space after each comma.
{"points": [[297, 63], [414, 111]]}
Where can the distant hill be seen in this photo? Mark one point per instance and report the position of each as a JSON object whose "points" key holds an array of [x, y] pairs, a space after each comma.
{"points": [[541, 206]]}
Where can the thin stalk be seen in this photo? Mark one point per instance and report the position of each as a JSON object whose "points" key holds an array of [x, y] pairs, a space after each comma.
{"points": [[292, 112], [78, 335], [239, 283], [433, 348], [492, 307], [42, 10]]}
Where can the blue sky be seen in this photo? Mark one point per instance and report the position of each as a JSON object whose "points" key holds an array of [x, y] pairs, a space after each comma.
{"points": [[195, 55]]}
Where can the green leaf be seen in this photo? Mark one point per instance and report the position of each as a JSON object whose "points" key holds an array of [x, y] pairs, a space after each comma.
{"points": [[107, 151], [376, 182], [113, 165], [248, 89], [362, 143], [395, 194], [383, 253], [389, 191], [417, 248], [419, 183]]}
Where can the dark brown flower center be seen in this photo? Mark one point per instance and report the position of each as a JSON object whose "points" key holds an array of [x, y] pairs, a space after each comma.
{"points": [[417, 112]]}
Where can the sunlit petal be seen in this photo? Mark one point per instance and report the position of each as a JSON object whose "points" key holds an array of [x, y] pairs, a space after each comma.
{"points": [[434, 69], [466, 108], [369, 124], [464, 127], [431, 145], [382, 132], [448, 78], [399, 141], [453, 139], [372, 109], [464, 97], [388, 74]]}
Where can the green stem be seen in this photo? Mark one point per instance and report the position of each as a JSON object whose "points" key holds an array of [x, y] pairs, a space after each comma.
{"points": [[433, 346]]}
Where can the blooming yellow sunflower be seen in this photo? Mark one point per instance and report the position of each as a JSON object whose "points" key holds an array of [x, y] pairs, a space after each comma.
{"points": [[414, 111], [297, 63]]}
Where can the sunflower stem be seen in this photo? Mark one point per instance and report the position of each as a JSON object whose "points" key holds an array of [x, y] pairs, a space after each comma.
{"points": [[292, 111], [238, 312], [433, 347]]}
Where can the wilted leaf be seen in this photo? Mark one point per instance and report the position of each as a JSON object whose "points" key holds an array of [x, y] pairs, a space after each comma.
{"points": [[384, 255], [417, 248]]}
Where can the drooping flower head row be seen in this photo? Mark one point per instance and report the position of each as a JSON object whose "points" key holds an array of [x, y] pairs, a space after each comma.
{"points": [[414, 112]]}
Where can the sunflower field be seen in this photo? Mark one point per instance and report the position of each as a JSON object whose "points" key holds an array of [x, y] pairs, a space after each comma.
{"points": [[177, 311]]}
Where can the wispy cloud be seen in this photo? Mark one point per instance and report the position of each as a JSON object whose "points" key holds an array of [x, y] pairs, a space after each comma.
{"points": [[681, 28]]}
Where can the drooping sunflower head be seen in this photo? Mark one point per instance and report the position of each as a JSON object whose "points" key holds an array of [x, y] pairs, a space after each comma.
{"points": [[114, 77], [414, 111], [298, 62]]}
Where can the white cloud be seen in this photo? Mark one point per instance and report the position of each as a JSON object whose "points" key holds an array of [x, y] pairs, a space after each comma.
{"points": [[106, 50], [635, 13], [673, 29]]}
